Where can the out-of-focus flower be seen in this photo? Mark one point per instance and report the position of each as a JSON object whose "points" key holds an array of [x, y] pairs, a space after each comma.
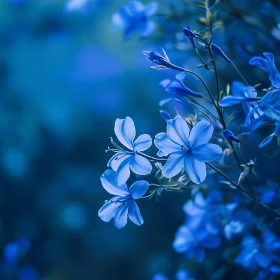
{"points": [[16, 249], [187, 149], [260, 254], [267, 64], [123, 204], [124, 161], [134, 17]]}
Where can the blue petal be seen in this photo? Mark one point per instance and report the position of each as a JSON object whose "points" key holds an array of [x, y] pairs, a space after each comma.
{"points": [[123, 171], [178, 131], [109, 183], [201, 134], [120, 20], [266, 141], [138, 189], [234, 100], [219, 52], [165, 145], [125, 131], [121, 215], [116, 160], [142, 143], [147, 28], [260, 62], [108, 210], [134, 214], [196, 170], [174, 164], [263, 260], [237, 89], [207, 152], [151, 8], [184, 240], [140, 165]]}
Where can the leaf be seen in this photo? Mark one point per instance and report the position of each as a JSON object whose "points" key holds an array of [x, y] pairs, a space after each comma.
{"points": [[202, 21]]}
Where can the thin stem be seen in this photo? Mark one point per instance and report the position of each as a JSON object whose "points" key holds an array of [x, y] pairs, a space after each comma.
{"points": [[239, 73], [216, 73], [242, 190]]}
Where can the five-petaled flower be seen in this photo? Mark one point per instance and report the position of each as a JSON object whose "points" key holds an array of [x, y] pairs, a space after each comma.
{"points": [[133, 17], [267, 64], [188, 149], [133, 159], [123, 204]]}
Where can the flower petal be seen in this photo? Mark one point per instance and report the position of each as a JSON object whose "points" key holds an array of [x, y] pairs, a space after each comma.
{"points": [[201, 134], [142, 143], [138, 189], [164, 144], [178, 131], [207, 152], [109, 183], [116, 160], [108, 210], [125, 131], [123, 172], [140, 165], [134, 214], [196, 170], [231, 100], [174, 164], [147, 28], [121, 215], [151, 8]]}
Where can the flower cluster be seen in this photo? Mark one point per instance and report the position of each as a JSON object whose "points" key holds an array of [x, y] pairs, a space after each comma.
{"points": [[218, 214]]}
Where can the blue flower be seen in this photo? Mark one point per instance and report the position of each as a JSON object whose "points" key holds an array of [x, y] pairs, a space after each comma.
{"points": [[217, 50], [241, 95], [123, 204], [135, 17], [187, 149], [177, 88], [267, 64], [230, 136], [124, 161]]}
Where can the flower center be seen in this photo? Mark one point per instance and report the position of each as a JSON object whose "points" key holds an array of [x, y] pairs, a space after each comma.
{"points": [[187, 150]]}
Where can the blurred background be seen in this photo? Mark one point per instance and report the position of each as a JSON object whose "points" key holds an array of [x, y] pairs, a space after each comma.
{"points": [[65, 76]]}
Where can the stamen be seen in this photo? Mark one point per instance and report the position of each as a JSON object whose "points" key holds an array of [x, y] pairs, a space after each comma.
{"points": [[116, 145]]}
